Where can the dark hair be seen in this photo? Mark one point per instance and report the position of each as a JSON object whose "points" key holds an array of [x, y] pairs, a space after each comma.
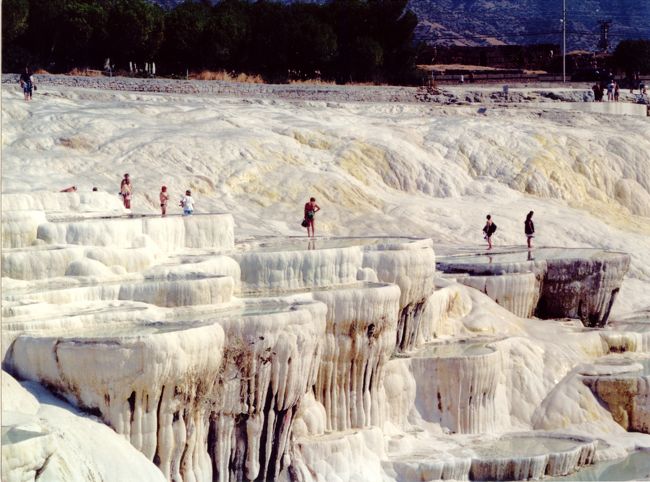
{"points": [[488, 217], [529, 215], [312, 199]]}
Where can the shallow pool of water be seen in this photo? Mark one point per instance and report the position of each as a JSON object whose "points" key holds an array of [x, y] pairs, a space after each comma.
{"points": [[16, 435], [636, 466], [111, 331], [523, 256], [304, 244], [527, 446], [452, 350]]}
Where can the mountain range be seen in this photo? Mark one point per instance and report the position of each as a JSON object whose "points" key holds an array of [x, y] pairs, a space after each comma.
{"points": [[496, 22]]}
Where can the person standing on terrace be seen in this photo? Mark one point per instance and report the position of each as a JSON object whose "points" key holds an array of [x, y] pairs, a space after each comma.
{"points": [[488, 230], [529, 229], [126, 191], [164, 199], [311, 208], [27, 83]]}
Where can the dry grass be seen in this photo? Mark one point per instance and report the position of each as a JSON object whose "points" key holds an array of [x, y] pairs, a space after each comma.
{"points": [[41, 71], [312, 82], [227, 76], [85, 72]]}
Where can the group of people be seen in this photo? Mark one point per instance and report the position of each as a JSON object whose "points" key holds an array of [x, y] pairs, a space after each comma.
{"points": [[311, 208], [529, 230], [186, 202], [612, 88]]}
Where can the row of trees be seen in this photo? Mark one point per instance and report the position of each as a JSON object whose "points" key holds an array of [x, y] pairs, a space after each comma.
{"points": [[342, 40]]}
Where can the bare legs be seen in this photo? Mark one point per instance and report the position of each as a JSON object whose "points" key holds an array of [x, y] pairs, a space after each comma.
{"points": [[529, 239], [310, 228], [489, 240]]}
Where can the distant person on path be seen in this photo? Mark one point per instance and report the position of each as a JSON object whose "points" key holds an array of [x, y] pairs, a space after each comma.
{"points": [[69, 189], [164, 199], [462, 79], [311, 208], [610, 91], [187, 203], [488, 230], [27, 83], [617, 92], [529, 229], [126, 191]]}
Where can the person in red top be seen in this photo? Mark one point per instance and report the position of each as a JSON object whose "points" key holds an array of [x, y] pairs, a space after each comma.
{"points": [[311, 208]]}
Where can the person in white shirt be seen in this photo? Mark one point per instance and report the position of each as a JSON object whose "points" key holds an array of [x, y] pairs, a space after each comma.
{"points": [[187, 203]]}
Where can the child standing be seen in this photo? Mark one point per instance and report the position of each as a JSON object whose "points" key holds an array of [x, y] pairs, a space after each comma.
{"points": [[187, 203], [164, 198]]}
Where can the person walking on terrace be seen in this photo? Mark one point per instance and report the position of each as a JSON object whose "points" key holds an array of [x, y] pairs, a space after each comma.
{"points": [[311, 208], [126, 191], [488, 230], [27, 83], [529, 229]]}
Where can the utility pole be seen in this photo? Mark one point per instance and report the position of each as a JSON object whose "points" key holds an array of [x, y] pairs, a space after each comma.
{"points": [[603, 44], [563, 40]]}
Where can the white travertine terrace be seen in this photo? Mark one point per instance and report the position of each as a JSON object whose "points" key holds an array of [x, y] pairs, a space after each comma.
{"points": [[344, 359], [547, 282], [270, 362], [62, 202], [408, 263], [154, 388], [411, 266], [456, 385], [525, 456], [623, 385], [44, 438], [358, 341], [169, 234], [516, 292]]}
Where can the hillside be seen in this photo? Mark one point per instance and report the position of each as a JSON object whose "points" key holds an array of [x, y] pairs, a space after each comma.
{"points": [[494, 22]]}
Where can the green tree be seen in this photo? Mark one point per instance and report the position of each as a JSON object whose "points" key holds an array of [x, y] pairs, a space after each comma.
{"points": [[184, 33], [14, 19], [82, 34], [269, 41], [135, 31], [312, 43], [226, 36], [15, 15], [633, 56]]}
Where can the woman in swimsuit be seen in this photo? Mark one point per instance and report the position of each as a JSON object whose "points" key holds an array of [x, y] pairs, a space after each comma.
{"points": [[164, 198], [125, 191], [311, 208]]}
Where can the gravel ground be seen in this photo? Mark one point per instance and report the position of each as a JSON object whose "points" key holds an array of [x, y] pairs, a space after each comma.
{"points": [[446, 95]]}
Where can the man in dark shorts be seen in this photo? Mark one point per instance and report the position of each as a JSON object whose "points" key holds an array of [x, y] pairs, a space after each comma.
{"points": [[311, 208], [27, 83]]}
